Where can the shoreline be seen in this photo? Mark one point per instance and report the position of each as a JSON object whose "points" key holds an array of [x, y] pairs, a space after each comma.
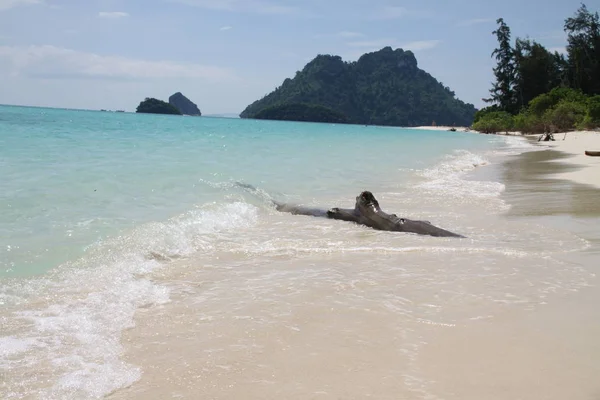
{"points": [[235, 319], [573, 144], [508, 336]]}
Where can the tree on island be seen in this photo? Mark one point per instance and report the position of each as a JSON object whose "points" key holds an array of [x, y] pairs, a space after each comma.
{"points": [[302, 112], [155, 106]]}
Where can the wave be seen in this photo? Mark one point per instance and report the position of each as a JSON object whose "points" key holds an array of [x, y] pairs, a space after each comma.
{"points": [[68, 323], [448, 180]]}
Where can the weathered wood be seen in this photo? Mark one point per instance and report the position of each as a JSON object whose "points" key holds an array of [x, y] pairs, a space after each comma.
{"points": [[368, 212]]}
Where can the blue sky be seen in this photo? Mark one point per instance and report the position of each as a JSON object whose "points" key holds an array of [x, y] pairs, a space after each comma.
{"points": [[224, 54]]}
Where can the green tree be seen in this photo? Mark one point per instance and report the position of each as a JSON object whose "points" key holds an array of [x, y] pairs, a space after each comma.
{"points": [[537, 71], [502, 92], [565, 116], [546, 101], [494, 122], [583, 50]]}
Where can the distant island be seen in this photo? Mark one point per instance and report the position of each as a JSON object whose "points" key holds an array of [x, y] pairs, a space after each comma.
{"points": [[178, 105], [381, 88], [155, 106], [301, 112], [184, 105]]}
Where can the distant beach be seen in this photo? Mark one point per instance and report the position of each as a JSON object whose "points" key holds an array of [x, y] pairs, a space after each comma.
{"points": [[573, 143]]}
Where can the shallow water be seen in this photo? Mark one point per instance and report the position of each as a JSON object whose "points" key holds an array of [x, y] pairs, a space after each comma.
{"points": [[131, 259]]}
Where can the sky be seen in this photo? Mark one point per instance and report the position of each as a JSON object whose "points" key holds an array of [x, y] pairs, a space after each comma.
{"points": [[224, 54]]}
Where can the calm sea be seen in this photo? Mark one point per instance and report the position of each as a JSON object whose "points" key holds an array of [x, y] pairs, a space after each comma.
{"points": [[104, 215]]}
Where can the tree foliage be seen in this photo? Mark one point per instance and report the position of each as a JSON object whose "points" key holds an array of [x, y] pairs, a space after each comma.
{"points": [[537, 71], [583, 50], [494, 122], [503, 89], [301, 112], [381, 88], [155, 106], [528, 70], [561, 109]]}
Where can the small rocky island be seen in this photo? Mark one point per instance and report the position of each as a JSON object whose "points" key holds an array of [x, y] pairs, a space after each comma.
{"points": [[184, 105], [155, 106]]}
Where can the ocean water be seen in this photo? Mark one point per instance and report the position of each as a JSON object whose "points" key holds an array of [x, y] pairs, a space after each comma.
{"points": [[73, 178], [123, 236]]}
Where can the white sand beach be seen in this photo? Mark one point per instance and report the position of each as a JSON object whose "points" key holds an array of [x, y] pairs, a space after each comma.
{"points": [[575, 144], [443, 128]]}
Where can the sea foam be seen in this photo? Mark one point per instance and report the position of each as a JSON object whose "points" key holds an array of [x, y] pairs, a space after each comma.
{"points": [[69, 324]]}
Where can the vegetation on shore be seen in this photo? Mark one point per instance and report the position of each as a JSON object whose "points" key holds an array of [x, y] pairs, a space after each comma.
{"points": [[155, 106], [385, 87], [537, 91]]}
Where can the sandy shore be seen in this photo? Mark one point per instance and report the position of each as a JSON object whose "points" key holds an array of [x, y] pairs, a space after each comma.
{"points": [[572, 143], [575, 144], [443, 128]]}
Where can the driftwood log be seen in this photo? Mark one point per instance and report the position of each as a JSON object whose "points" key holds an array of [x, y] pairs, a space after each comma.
{"points": [[368, 212]]}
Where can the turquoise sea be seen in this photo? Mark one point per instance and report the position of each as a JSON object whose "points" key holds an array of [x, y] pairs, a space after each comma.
{"points": [[73, 178], [106, 214]]}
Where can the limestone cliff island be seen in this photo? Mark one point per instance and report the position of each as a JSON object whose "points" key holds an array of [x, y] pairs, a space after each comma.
{"points": [[385, 87], [178, 105], [184, 105], [154, 106]]}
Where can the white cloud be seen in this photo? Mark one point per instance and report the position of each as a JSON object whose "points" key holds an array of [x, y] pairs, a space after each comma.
{"points": [[380, 43], [112, 14], [392, 12], [349, 34], [377, 43], [226, 28], [7, 4], [475, 21], [247, 6], [52, 62], [420, 45]]}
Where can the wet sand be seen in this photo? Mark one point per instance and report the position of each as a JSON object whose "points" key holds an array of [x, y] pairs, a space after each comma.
{"points": [[415, 325], [575, 144], [547, 353]]}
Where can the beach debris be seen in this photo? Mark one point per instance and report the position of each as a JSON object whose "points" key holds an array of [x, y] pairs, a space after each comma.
{"points": [[546, 137]]}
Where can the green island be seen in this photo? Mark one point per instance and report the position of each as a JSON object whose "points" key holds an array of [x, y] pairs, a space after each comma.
{"points": [[301, 112], [155, 106], [385, 87], [538, 91]]}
